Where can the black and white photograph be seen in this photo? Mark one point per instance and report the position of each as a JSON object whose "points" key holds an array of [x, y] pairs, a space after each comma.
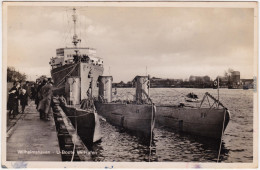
{"points": [[130, 85]]}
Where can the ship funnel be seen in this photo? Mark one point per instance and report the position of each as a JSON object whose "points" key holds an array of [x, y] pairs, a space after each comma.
{"points": [[72, 90], [105, 88], [142, 84]]}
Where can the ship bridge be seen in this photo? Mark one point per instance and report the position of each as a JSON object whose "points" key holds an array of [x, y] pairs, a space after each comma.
{"points": [[66, 56]]}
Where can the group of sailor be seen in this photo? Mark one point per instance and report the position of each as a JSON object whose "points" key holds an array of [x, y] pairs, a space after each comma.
{"points": [[43, 98]]}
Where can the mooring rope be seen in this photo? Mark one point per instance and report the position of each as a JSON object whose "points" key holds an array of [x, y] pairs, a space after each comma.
{"points": [[151, 136], [63, 69], [67, 75], [79, 115], [222, 133], [76, 128]]}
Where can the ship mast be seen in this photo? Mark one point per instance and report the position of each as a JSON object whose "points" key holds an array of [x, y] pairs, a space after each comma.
{"points": [[76, 40]]}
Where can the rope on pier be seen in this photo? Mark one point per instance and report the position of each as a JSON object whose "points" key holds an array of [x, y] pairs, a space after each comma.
{"points": [[222, 133]]}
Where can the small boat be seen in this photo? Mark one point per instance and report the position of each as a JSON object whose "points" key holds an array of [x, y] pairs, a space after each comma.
{"points": [[191, 97], [136, 116], [192, 100], [202, 121]]}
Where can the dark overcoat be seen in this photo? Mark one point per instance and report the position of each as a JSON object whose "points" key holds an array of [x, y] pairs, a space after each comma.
{"points": [[45, 95], [37, 96], [12, 103], [23, 99]]}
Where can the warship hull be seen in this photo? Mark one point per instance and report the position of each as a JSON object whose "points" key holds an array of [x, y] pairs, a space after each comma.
{"points": [[80, 70], [197, 121], [136, 118], [85, 121]]}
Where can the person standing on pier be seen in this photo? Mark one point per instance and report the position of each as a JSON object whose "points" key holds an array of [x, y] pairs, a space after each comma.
{"points": [[12, 104], [39, 95], [37, 89], [33, 91], [23, 99], [27, 88], [45, 103]]}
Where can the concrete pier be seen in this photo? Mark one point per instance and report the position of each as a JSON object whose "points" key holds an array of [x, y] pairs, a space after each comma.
{"points": [[33, 139]]}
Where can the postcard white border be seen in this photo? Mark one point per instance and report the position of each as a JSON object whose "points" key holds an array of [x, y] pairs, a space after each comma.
{"points": [[42, 164]]}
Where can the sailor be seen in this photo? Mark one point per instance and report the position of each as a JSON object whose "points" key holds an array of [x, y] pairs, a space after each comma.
{"points": [[33, 91], [27, 88], [23, 99], [39, 85], [13, 99], [44, 96]]}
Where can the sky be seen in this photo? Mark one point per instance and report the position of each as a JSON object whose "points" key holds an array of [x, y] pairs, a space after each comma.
{"points": [[171, 42]]}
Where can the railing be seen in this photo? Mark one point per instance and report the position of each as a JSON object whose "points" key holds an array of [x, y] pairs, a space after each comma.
{"points": [[216, 101]]}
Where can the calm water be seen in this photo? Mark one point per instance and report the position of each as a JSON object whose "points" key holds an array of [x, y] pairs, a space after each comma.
{"points": [[168, 145]]}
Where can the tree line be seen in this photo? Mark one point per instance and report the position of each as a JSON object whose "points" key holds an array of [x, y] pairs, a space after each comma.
{"points": [[13, 75]]}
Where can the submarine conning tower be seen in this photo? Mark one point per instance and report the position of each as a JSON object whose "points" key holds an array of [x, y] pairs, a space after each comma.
{"points": [[142, 85], [105, 88]]}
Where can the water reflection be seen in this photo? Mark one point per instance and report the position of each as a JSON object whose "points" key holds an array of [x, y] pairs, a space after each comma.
{"points": [[167, 145]]}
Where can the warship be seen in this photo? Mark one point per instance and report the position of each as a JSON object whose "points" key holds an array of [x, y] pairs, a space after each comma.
{"points": [[75, 72], [137, 116]]}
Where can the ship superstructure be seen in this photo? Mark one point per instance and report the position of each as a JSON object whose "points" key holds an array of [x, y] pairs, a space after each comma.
{"points": [[78, 62], [66, 56]]}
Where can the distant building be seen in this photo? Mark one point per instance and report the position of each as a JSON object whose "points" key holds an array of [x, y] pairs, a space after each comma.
{"points": [[223, 81], [201, 79], [198, 82], [235, 80], [235, 76], [123, 85], [249, 83], [192, 78], [206, 79], [158, 82]]}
